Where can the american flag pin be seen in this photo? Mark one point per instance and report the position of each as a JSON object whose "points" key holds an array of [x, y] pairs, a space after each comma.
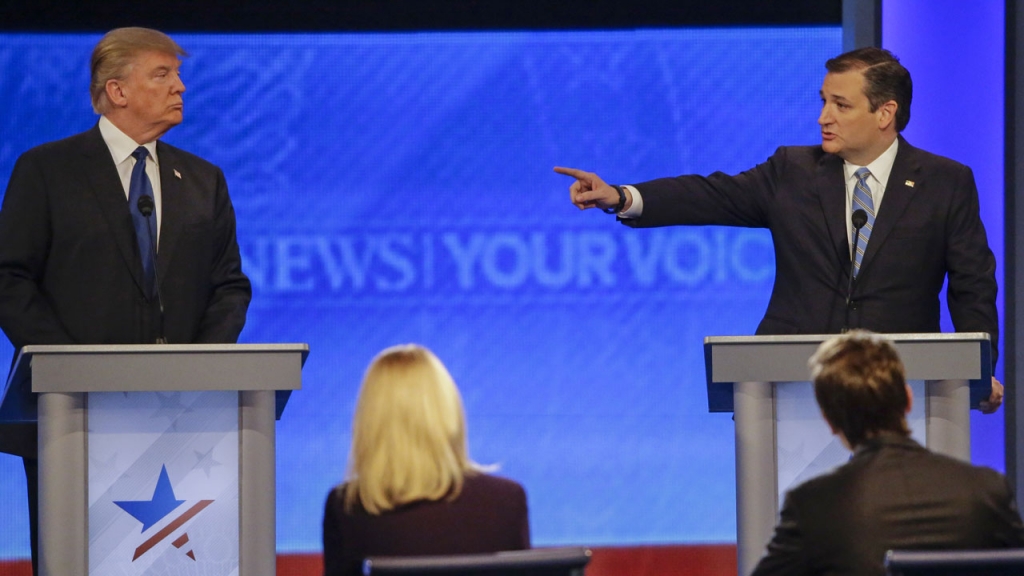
{"points": [[178, 175], [909, 183]]}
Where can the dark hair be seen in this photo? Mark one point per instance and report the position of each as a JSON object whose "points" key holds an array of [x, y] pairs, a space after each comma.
{"points": [[884, 79], [860, 385]]}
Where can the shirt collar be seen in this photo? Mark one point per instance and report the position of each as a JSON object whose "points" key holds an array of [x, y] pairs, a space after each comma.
{"points": [[120, 144], [879, 167]]}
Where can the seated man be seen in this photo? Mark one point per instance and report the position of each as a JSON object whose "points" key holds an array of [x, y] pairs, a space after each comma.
{"points": [[893, 493]]}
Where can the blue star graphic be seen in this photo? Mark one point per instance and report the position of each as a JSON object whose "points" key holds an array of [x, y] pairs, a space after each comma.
{"points": [[149, 512]]}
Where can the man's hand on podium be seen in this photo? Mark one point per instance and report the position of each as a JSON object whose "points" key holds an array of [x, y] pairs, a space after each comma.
{"points": [[995, 400]]}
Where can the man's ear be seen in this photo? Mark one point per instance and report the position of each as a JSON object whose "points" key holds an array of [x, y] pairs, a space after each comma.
{"points": [[116, 93], [910, 398], [886, 114]]}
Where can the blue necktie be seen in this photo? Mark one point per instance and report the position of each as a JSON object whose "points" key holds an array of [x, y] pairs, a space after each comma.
{"points": [[862, 200], [144, 233]]}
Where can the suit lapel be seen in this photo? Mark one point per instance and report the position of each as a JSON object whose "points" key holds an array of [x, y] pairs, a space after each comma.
{"points": [[899, 191], [832, 194], [109, 192], [172, 205]]}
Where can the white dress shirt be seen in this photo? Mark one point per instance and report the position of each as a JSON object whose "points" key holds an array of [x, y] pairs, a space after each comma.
{"points": [[121, 147], [880, 168]]}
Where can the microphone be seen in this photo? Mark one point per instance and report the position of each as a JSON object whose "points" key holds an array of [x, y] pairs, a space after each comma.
{"points": [[859, 219], [146, 207]]}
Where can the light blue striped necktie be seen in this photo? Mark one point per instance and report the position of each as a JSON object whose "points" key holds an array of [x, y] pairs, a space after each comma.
{"points": [[862, 201]]}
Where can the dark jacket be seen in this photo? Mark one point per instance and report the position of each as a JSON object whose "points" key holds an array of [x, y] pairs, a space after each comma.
{"points": [[70, 270], [893, 494], [928, 227], [489, 515]]}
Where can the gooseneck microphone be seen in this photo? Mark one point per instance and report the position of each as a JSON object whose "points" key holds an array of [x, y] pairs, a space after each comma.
{"points": [[146, 207], [859, 219]]}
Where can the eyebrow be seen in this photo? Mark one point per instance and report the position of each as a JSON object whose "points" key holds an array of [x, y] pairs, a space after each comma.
{"points": [[834, 96]]}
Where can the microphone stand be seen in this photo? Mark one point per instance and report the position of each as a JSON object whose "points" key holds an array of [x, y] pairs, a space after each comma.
{"points": [[859, 218], [146, 207]]}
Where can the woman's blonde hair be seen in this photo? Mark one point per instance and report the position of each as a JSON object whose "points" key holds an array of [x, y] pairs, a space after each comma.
{"points": [[408, 434]]}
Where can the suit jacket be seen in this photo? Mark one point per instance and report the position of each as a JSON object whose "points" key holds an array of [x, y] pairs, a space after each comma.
{"points": [[489, 515], [927, 227], [70, 270], [893, 494]]}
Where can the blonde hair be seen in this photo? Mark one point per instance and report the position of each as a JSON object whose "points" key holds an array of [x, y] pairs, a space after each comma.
{"points": [[408, 434], [115, 53]]}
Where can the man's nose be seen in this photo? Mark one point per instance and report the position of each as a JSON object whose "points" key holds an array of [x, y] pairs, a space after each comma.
{"points": [[825, 117]]}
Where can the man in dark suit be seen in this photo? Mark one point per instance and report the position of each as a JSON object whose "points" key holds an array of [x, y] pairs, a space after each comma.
{"points": [[893, 493], [73, 243], [928, 227]]}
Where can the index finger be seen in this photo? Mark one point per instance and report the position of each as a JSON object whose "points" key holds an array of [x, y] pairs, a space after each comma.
{"points": [[577, 174]]}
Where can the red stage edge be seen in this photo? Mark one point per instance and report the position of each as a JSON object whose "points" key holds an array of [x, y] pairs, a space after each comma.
{"points": [[704, 560], [15, 568], [678, 560]]}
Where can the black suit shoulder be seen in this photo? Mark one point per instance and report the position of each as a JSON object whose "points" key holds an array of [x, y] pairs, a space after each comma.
{"points": [[91, 142], [935, 161], [62, 155], [171, 152], [73, 143]]}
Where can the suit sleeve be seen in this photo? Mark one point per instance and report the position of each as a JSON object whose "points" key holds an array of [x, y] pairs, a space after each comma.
{"points": [[225, 315], [786, 551], [970, 265], [718, 199], [1008, 529], [25, 235]]}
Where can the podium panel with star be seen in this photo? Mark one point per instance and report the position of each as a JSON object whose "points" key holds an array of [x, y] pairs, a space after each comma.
{"points": [[163, 481], [155, 459]]}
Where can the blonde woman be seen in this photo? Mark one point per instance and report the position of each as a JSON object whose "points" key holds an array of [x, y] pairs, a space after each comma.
{"points": [[411, 487]]}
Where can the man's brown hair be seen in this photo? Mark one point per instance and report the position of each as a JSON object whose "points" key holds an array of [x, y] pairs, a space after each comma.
{"points": [[860, 385], [884, 79]]}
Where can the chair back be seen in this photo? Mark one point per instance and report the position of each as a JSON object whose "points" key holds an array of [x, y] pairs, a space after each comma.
{"points": [[999, 562], [563, 561]]}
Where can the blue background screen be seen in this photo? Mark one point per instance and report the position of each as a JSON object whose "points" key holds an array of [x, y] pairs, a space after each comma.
{"points": [[395, 188]]}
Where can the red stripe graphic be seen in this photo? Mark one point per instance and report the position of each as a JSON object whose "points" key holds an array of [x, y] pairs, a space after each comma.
{"points": [[166, 530], [181, 541]]}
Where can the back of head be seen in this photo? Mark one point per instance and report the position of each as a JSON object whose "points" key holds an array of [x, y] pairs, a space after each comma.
{"points": [[884, 79], [113, 56], [859, 384], [408, 434]]}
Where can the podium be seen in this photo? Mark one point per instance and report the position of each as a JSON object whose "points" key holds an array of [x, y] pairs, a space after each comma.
{"points": [[781, 437], [155, 458]]}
